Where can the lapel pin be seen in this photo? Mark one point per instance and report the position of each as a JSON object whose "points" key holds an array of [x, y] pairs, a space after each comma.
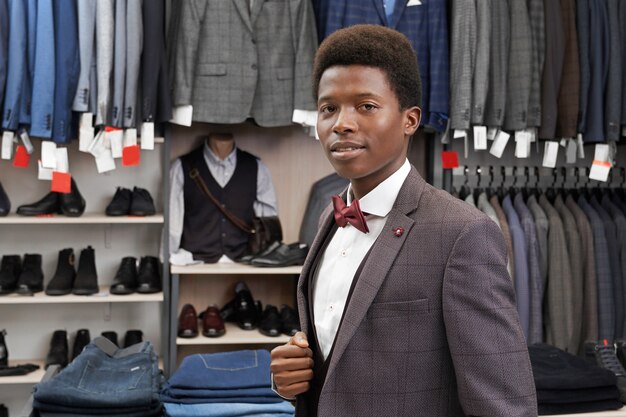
{"points": [[398, 231]]}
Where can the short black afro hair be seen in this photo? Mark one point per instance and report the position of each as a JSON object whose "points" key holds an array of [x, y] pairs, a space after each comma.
{"points": [[373, 46]]}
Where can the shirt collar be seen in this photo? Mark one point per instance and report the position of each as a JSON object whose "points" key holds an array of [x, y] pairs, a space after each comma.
{"points": [[214, 159], [381, 199]]}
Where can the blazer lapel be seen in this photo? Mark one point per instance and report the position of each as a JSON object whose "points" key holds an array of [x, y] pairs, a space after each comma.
{"points": [[256, 11], [244, 10], [397, 13], [380, 8], [377, 265]]}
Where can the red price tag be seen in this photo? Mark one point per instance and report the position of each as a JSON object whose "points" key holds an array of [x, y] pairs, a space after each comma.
{"points": [[61, 182], [449, 160], [130, 156], [22, 158]]}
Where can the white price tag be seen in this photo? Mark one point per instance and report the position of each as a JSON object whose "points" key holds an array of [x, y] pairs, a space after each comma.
{"points": [[570, 152], [550, 153], [147, 135], [115, 139], [63, 164], [130, 137], [580, 145], [182, 115], [533, 134], [499, 144], [26, 141], [480, 138], [85, 132], [563, 142], [459, 134], [601, 166], [522, 144], [491, 133], [48, 154], [44, 174], [414, 3], [105, 162], [7, 144]]}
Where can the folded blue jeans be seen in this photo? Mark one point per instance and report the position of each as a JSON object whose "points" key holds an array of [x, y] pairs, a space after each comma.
{"points": [[248, 400], [217, 393], [283, 408], [226, 370], [104, 378]]}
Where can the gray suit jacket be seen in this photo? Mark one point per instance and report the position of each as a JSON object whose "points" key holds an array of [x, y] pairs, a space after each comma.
{"points": [[105, 27], [86, 42], [233, 63], [418, 331], [519, 71], [614, 84], [590, 290], [582, 27], [119, 64], [498, 65], [542, 225], [480, 82], [506, 233], [538, 36], [560, 308], [462, 62], [134, 45]]}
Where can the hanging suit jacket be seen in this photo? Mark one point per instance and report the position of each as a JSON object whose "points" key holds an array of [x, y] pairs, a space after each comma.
{"points": [[426, 27], [252, 63], [542, 225], [498, 65], [119, 64], [620, 227], [569, 90], [622, 17], [538, 36], [506, 233], [26, 102], [134, 46], [86, 41], [583, 29], [105, 35], [4, 45], [599, 44], [44, 78], [67, 68], [418, 317], [480, 83], [590, 288], [613, 97], [462, 62], [17, 65]]}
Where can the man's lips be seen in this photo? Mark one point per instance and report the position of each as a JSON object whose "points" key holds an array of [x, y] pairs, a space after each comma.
{"points": [[345, 146]]}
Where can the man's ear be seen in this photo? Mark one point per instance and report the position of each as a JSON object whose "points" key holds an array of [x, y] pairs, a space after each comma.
{"points": [[412, 117]]}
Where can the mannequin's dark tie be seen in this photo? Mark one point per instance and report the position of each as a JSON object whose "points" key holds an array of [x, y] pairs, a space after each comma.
{"points": [[352, 214]]}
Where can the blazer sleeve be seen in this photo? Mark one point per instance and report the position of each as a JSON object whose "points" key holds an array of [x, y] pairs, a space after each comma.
{"points": [[486, 342], [305, 45]]}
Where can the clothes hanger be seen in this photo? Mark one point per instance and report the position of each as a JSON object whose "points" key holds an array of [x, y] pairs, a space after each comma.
{"points": [[551, 192], [513, 188], [525, 189], [537, 189], [478, 190], [574, 190], [619, 191], [489, 190], [465, 189], [501, 192]]}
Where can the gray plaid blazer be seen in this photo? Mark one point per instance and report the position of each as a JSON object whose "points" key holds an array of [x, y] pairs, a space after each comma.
{"points": [[538, 35], [498, 65], [233, 63], [430, 305], [542, 225], [480, 83], [462, 62]]}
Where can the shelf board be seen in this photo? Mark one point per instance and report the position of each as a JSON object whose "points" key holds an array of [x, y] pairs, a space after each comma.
{"points": [[87, 218], [101, 297], [614, 413], [233, 268], [234, 336], [32, 378]]}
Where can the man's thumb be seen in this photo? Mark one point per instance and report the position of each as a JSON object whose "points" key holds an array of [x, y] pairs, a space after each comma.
{"points": [[299, 339]]}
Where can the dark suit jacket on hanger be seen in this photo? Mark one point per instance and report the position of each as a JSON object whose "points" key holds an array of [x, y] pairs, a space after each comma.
{"points": [[419, 315], [569, 91], [4, 45]]}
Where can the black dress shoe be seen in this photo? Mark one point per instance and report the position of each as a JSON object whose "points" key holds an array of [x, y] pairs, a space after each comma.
{"points": [[5, 203], [125, 281], [149, 275], [82, 339], [10, 270], [246, 259], [141, 203], [270, 324], [289, 320], [49, 204], [58, 353], [86, 281], [63, 279], [132, 337], [4, 352], [285, 255], [120, 205], [112, 336], [246, 313], [31, 278], [72, 204]]}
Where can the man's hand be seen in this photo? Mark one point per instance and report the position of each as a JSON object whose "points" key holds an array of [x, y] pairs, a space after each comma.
{"points": [[292, 366]]}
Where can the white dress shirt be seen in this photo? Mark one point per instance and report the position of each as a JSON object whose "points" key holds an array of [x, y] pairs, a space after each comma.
{"points": [[222, 171], [344, 254]]}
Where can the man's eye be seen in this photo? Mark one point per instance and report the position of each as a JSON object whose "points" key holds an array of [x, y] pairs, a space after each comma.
{"points": [[327, 109], [369, 107]]}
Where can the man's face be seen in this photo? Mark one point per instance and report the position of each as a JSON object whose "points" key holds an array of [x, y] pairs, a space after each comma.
{"points": [[361, 127]]}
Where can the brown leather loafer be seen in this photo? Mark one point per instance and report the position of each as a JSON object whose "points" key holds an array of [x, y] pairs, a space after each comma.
{"points": [[188, 322], [212, 323]]}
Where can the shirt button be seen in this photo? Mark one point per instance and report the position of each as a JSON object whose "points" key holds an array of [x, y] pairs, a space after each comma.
{"points": [[343, 252], [253, 66], [330, 308]]}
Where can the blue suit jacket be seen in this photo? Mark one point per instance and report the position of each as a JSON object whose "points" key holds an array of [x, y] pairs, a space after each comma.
{"points": [[67, 67], [425, 25], [4, 45], [17, 64], [43, 79]]}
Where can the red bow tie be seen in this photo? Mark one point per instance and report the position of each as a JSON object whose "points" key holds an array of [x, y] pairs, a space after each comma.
{"points": [[352, 214]]}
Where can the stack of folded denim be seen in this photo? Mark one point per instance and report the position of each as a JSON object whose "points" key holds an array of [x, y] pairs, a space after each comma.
{"points": [[568, 384], [227, 384], [104, 380]]}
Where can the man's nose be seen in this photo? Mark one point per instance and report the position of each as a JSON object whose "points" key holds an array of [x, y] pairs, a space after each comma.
{"points": [[346, 121]]}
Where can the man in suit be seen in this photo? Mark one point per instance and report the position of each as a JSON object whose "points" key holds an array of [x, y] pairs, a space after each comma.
{"points": [[406, 310]]}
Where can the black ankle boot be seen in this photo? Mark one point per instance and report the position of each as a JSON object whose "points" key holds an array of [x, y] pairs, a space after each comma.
{"points": [[86, 281], [10, 271], [82, 339], [63, 279], [57, 355], [4, 352], [5, 203], [149, 276], [31, 278], [133, 337], [72, 204], [49, 204], [141, 203], [120, 205], [125, 281]]}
